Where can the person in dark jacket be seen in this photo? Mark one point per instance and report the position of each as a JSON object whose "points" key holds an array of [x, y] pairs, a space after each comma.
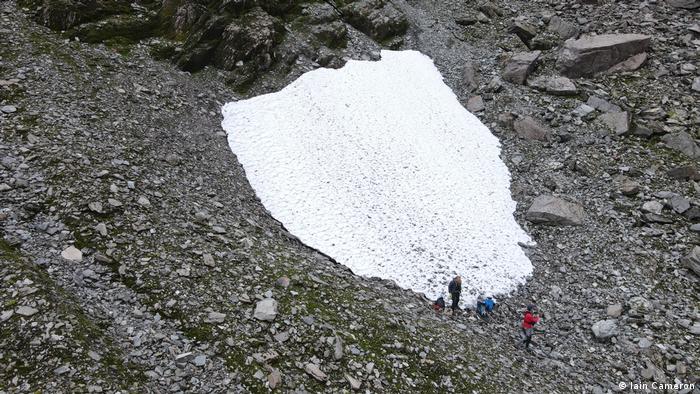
{"points": [[528, 327], [455, 289]]}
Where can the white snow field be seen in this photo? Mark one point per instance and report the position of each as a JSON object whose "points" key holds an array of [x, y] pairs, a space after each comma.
{"points": [[378, 165]]}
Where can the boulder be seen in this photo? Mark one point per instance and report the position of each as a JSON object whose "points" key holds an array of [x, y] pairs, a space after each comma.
{"points": [[605, 329], [687, 172], [562, 28], [378, 19], [315, 371], [553, 210], [558, 86], [469, 77], [475, 104], [592, 54], [692, 260], [519, 66], [614, 310], [266, 310], [686, 4], [72, 253], [618, 122], [683, 143], [529, 128]]}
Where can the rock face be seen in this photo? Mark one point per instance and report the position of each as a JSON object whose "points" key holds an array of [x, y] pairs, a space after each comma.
{"points": [[377, 18], [519, 66], [605, 329], [592, 54], [553, 210], [244, 38]]}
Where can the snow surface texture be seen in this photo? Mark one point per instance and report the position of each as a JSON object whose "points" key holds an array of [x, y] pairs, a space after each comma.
{"points": [[378, 165]]}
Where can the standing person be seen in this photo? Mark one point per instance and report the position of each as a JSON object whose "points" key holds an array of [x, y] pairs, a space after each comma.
{"points": [[528, 326], [455, 289]]}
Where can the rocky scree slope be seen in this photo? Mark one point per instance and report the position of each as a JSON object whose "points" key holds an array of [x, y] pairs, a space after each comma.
{"points": [[123, 158]]}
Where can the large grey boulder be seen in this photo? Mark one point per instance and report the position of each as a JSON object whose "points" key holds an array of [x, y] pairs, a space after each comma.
{"points": [[619, 122], [553, 210], [605, 329], [692, 260], [682, 142], [519, 66], [592, 54]]}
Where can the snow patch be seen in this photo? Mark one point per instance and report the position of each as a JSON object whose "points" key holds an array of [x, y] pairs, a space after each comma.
{"points": [[379, 166]]}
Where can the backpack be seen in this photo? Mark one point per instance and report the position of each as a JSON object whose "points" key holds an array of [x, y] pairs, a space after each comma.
{"points": [[439, 304], [490, 304]]}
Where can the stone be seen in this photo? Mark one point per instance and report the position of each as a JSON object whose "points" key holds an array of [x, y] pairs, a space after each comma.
{"points": [[644, 343], [695, 329], [8, 109], [592, 54], [208, 260], [338, 349], [632, 63], [95, 206], [72, 253], [216, 317], [618, 122], [695, 228], [469, 77], [519, 67], [525, 31], [274, 378], [582, 110], [605, 329], [679, 204], [687, 173], [355, 384], [692, 260], [683, 143], [200, 360], [562, 28], [630, 187], [101, 228], [696, 84], [558, 86], [614, 310], [638, 306], [313, 370], [530, 129], [686, 4], [654, 207], [26, 310], [266, 310], [282, 282], [143, 201], [602, 104], [556, 211], [475, 104]]}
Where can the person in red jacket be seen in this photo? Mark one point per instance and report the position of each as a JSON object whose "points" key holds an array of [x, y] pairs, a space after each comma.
{"points": [[528, 327]]}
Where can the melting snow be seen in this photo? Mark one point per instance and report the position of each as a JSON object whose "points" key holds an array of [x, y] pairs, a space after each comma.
{"points": [[378, 165]]}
